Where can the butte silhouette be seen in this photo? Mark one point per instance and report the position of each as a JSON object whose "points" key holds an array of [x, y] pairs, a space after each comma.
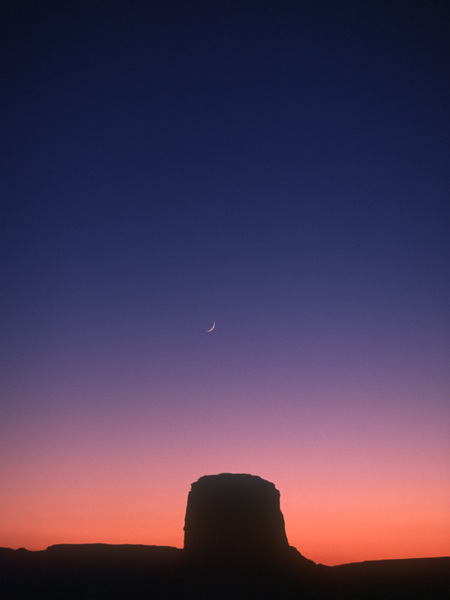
{"points": [[235, 547], [236, 518]]}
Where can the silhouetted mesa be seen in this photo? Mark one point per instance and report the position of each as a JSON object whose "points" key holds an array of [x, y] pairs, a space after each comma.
{"points": [[234, 516], [235, 547]]}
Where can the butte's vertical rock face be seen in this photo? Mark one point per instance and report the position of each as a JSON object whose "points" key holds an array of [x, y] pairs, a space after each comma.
{"points": [[234, 516]]}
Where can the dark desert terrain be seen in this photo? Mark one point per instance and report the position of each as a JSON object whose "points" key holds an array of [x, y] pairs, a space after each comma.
{"points": [[235, 547]]}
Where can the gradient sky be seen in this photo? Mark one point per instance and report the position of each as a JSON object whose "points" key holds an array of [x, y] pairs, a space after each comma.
{"points": [[280, 168]]}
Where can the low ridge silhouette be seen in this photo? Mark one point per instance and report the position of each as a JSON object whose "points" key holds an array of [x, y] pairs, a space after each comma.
{"points": [[235, 547]]}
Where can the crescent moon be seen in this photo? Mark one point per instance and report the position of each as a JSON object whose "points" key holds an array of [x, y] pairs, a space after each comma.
{"points": [[208, 330]]}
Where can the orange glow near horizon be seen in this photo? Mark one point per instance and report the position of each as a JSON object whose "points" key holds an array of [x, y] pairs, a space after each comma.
{"points": [[321, 533], [335, 510]]}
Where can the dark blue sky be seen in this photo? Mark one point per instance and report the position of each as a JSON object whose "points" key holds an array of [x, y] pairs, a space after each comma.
{"points": [[249, 157], [280, 168], [279, 164]]}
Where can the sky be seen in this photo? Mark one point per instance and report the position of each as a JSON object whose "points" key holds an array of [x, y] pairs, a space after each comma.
{"points": [[278, 168]]}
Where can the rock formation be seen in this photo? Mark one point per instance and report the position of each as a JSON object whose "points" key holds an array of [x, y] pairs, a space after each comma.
{"points": [[235, 547], [234, 516]]}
